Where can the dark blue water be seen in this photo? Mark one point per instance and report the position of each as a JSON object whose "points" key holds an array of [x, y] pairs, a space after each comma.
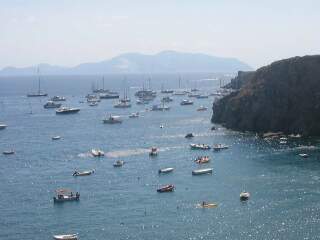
{"points": [[122, 203]]}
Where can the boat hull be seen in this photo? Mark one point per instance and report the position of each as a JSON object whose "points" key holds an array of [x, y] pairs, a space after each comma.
{"points": [[202, 171]]}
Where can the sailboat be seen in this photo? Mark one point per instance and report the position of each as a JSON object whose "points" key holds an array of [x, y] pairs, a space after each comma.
{"points": [[39, 93]]}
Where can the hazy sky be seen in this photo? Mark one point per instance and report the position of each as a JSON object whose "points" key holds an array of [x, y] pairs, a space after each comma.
{"points": [[68, 32]]}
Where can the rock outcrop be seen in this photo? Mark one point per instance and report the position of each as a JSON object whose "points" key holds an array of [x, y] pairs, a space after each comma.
{"points": [[284, 96]]}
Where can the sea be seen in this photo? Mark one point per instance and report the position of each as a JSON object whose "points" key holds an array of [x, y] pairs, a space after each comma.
{"points": [[122, 203]]}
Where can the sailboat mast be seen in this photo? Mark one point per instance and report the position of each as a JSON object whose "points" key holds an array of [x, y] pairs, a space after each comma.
{"points": [[103, 82], [39, 84]]}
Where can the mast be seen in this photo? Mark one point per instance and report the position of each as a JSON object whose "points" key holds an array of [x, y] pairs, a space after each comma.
{"points": [[103, 82], [179, 82], [39, 84]]}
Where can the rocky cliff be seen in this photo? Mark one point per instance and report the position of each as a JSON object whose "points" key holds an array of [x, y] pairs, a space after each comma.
{"points": [[240, 80], [284, 96]]}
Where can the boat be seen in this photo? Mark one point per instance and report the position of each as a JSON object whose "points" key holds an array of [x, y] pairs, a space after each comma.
{"points": [[206, 205], [8, 152], [193, 95], [153, 152], [283, 142], [122, 104], [202, 108], [118, 163], [134, 115], [97, 153], [93, 98], [39, 93], [189, 135], [166, 170], [180, 93], [199, 146], [67, 110], [167, 91], [202, 96], [166, 99], [202, 171], [202, 159], [58, 99], [84, 173], [186, 102], [142, 101], [93, 104], [160, 108], [304, 155], [56, 138], [52, 104], [244, 196], [218, 147], [109, 95], [166, 188], [65, 195], [2, 126], [66, 237], [112, 119]]}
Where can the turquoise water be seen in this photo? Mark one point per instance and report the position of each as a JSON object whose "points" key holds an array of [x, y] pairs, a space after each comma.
{"points": [[122, 203]]}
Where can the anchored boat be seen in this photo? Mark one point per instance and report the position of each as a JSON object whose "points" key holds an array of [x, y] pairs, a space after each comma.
{"points": [[166, 188], [202, 171], [218, 147], [84, 173], [202, 159], [153, 152], [52, 104], [2, 126], [66, 237], [67, 110], [166, 170], [97, 153], [244, 196], [118, 163], [8, 152], [112, 119], [199, 146], [65, 195]]}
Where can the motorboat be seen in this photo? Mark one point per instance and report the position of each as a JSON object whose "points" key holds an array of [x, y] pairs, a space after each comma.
{"points": [[134, 115], [195, 90], [66, 237], [93, 104], [122, 104], [202, 171], [166, 170], [199, 146], [244, 196], [2, 126], [8, 152], [166, 188], [189, 135], [112, 119], [153, 152], [202, 108], [304, 155], [186, 102], [166, 99], [67, 110], [84, 173], [97, 153], [218, 147], [118, 163], [167, 91], [65, 195], [160, 108], [52, 104], [202, 96], [109, 95], [146, 94], [206, 205], [58, 99], [202, 159], [193, 95], [93, 99], [56, 138], [142, 101], [180, 93]]}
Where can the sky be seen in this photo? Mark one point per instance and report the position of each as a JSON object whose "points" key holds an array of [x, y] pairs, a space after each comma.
{"points": [[69, 32]]}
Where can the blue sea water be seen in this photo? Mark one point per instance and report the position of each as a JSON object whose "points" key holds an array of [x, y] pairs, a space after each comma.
{"points": [[122, 203]]}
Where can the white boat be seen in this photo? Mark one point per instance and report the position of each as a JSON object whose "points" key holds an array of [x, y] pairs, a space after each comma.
{"points": [[56, 138], [202, 108], [8, 152], [66, 237], [218, 147], [58, 99], [244, 196], [202, 96], [112, 119], [166, 99], [84, 173], [134, 115], [121, 104], [202, 171], [199, 146], [67, 110], [118, 163], [65, 195], [166, 170], [93, 104], [303, 155], [97, 153], [179, 93], [193, 95], [52, 104], [186, 102], [160, 108], [2, 126], [109, 95]]}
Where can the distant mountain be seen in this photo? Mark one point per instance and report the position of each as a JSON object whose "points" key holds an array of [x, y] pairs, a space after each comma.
{"points": [[163, 62]]}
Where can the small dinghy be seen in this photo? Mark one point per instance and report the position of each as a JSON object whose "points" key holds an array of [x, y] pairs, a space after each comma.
{"points": [[202, 171], [165, 170], [56, 138], [84, 173], [199, 146], [66, 237], [118, 163], [153, 152], [206, 205], [303, 155], [218, 147], [93, 104], [65, 195], [244, 196], [8, 152], [202, 159], [97, 153], [166, 188], [189, 135]]}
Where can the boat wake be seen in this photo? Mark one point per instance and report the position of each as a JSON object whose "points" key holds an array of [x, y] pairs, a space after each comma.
{"points": [[84, 155]]}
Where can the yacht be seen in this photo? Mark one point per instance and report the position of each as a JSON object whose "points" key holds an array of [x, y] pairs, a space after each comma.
{"points": [[2, 126], [202, 171], [93, 104], [199, 146], [194, 95], [160, 108], [58, 99], [202, 96], [202, 108], [166, 170], [109, 95], [134, 115], [180, 93], [8, 152], [167, 91], [186, 102], [166, 99], [66, 237], [67, 110], [52, 104], [218, 147], [38, 93], [54, 138], [122, 104], [65, 195], [244, 196], [166, 188], [112, 119], [97, 153], [118, 163]]}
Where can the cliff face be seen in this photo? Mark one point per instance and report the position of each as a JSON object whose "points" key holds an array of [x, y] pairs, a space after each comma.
{"points": [[284, 96], [240, 80]]}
